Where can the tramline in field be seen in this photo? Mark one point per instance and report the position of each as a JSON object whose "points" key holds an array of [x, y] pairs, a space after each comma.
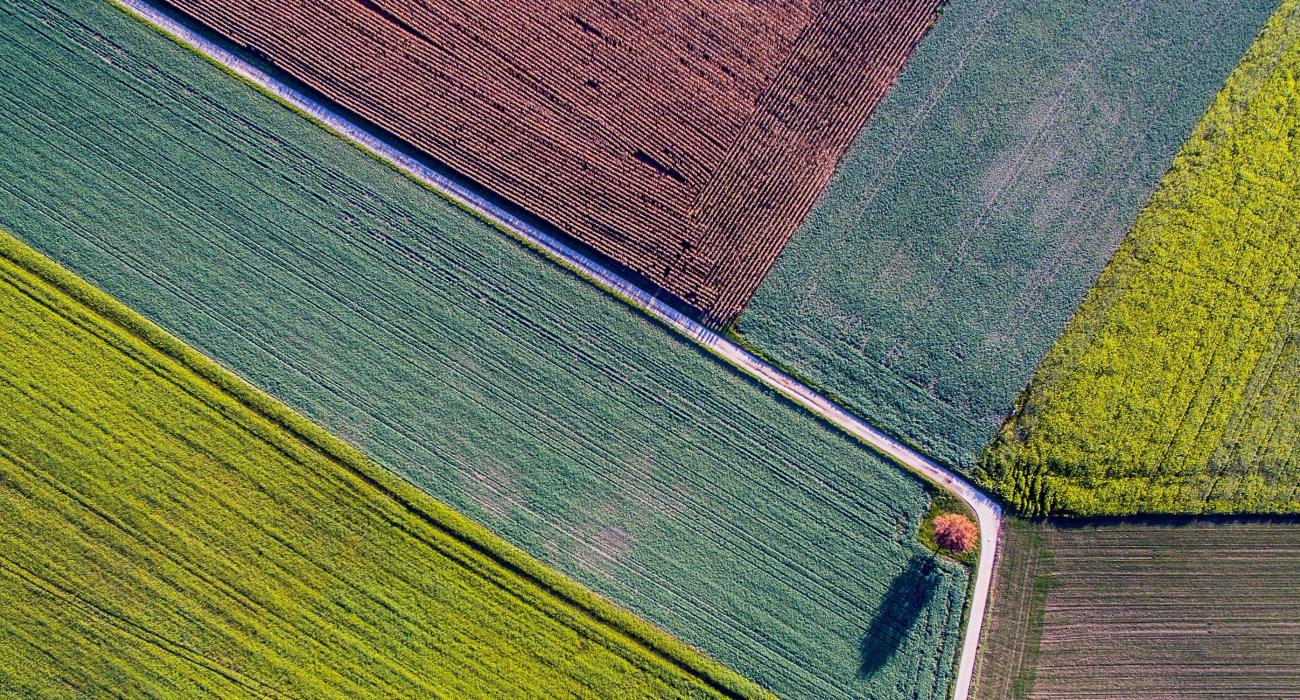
{"points": [[973, 212], [526, 398], [169, 531]]}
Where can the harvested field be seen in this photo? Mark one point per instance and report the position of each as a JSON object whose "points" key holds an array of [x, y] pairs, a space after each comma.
{"points": [[970, 217], [1170, 608], [685, 140], [1176, 387], [522, 395], [167, 531]]}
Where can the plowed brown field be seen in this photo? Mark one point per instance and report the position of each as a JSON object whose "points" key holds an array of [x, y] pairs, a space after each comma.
{"points": [[684, 139], [1169, 608]]}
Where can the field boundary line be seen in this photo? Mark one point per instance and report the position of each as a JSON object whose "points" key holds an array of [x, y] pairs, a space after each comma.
{"points": [[643, 639], [987, 511]]}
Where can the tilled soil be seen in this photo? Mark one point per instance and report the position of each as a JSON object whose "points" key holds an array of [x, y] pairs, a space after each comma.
{"points": [[685, 140]]}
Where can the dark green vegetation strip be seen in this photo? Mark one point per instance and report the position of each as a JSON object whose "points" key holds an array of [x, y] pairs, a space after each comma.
{"points": [[1174, 389], [169, 531], [1174, 607], [533, 403], [974, 211]]}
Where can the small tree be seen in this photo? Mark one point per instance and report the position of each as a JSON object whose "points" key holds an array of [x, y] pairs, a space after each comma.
{"points": [[955, 533]]}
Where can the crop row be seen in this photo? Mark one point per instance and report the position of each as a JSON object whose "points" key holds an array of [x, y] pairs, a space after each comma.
{"points": [[977, 206], [684, 141], [165, 536], [490, 377], [1175, 386], [1179, 607]]}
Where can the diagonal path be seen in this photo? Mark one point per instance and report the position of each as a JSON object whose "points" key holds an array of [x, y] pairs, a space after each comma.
{"points": [[986, 509]]}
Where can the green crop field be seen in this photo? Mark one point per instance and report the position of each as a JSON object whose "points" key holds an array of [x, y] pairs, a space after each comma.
{"points": [[505, 386], [1120, 609], [1174, 389], [167, 531], [977, 207]]}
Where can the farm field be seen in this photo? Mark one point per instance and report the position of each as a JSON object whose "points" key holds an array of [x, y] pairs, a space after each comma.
{"points": [[973, 212], [1114, 609], [167, 531], [1174, 388], [495, 380], [685, 140]]}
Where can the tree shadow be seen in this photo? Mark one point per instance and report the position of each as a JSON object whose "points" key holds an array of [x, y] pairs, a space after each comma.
{"points": [[908, 594]]}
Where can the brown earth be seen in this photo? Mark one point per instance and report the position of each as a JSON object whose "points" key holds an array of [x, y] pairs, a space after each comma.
{"points": [[684, 139], [1172, 608]]}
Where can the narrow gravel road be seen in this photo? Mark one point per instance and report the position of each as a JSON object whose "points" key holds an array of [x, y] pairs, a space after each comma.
{"points": [[986, 509]]}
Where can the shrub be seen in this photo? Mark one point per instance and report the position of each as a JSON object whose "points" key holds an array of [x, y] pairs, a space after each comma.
{"points": [[955, 533]]}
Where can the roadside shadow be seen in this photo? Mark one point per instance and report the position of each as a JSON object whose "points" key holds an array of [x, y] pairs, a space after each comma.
{"points": [[908, 594], [1077, 523]]}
